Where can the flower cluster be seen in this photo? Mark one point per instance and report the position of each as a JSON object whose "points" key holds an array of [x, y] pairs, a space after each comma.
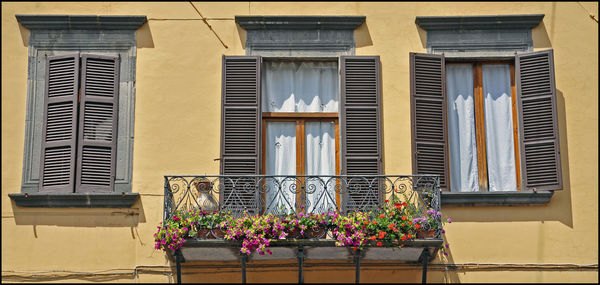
{"points": [[350, 230], [395, 223]]}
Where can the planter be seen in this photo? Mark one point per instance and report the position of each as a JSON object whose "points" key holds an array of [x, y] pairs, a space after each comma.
{"points": [[316, 232], [206, 233], [295, 233], [430, 234]]}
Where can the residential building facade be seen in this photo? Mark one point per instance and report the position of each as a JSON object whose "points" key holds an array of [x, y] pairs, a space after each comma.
{"points": [[104, 102]]}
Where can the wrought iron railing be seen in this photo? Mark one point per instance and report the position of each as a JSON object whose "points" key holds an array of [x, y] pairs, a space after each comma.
{"points": [[261, 194]]}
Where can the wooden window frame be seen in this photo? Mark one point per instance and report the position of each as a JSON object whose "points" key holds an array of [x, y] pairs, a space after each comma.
{"points": [[300, 119], [480, 120]]}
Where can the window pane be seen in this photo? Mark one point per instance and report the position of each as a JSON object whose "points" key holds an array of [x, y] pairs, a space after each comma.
{"points": [[299, 87], [499, 127], [280, 159], [320, 160], [462, 144]]}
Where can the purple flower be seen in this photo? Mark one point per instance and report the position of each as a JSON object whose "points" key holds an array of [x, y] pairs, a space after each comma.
{"points": [[449, 220]]}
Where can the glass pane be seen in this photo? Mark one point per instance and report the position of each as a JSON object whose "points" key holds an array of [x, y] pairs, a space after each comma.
{"points": [[499, 127], [462, 144], [299, 86], [280, 159], [320, 160]]}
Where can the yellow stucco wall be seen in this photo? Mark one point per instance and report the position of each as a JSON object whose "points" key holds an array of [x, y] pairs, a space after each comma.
{"points": [[177, 125]]}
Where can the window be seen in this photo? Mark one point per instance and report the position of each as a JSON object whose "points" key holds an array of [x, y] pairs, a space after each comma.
{"points": [[300, 102], [79, 124], [482, 126], [433, 86], [91, 36], [298, 120], [464, 137]]}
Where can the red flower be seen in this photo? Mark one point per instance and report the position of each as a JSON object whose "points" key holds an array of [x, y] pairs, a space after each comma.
{"points": [[387, 201], [403, 224], [374, 222], [404, 204], [404, 218], [417, 226], [354, 248], [381, 234], [382, 216], [409, 222], [403, 237], [379, 244], [409, 236], [373, 237], [391, 226]]}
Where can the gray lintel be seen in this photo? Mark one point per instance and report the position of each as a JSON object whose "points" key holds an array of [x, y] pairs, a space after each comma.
{"points": [[479, 22], [299, 22], [81, 22], [501, 198], [76, 200]]}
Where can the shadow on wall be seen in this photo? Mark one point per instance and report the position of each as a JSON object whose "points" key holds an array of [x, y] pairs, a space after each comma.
{"points": [[24, 34], [362, 37], [143, 36], [558, 209], [242, 35], [540, 36], [81, 217]]}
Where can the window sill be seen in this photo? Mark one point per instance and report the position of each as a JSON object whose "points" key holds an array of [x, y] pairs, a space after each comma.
{"points": [[516, 198], [76, 200]]}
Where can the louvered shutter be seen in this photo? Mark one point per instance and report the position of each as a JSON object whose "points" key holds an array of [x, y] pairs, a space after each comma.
{"points": [[428, 115], [361, 129], [97, 135], [538, 126], [57, 171], [240, 131]]}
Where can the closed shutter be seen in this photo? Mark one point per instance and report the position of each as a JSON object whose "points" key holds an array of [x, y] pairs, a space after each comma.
{"points": [[97, 139], [361, 129], [57, 174], [538, 126], [428, 115], [240, 131]]}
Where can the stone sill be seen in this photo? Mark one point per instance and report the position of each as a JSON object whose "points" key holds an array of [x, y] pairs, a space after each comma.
{"points": [[505, 198], [76, 200]]}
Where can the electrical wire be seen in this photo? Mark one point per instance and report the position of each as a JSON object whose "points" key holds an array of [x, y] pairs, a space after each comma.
{"points": [[207, 24], [589, 14]]}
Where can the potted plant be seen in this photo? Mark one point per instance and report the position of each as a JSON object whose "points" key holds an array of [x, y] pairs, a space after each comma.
{"points": [[427, 224], [209, 225]]}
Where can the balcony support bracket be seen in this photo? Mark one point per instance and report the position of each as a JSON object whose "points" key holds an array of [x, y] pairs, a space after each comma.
{"points": [[300, 264], [244, 257], [357, 264], [178, 265], [425, 262]]}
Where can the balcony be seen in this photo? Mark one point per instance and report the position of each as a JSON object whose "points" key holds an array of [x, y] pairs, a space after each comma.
{"points": [[262, 194]]}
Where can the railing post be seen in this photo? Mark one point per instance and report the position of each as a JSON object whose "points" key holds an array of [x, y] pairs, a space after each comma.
{"points": [[243, 257], [425, 261], [300, 264]]}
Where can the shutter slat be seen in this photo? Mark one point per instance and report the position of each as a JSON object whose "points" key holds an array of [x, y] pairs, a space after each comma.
{"points": [[240, 128], [98, 124], [360, 127], [428, 112], [57, 171], [538, 126]]}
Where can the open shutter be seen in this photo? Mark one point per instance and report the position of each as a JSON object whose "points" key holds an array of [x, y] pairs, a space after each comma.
{"points": [[59, 124], [361, 129], [97, 139], [428, 115], [240, 131], [538, 126]]}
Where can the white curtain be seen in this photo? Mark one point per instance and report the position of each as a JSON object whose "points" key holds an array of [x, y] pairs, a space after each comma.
{"points": [[280, 160], [499, 127], [462, 144], [299, 87], [320, 160]]}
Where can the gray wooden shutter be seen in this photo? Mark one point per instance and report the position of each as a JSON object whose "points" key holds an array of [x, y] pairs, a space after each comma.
{"points": [[361, 128], [538, 126], [97, 138], [240, 130], [57, 171], [428, 115]]}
